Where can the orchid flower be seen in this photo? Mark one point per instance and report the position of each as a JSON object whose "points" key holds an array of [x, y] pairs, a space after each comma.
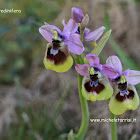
{"points": [[125, 97], [77, 16], [95, 85], [57, 55]]}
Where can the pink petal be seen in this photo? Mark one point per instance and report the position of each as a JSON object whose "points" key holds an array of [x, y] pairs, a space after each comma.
{"points": [[109, 71], [133, 77], [45, 31], [125, 72], [93, 36], [71, 26], [82, 69], [74, 44], [86, 31], [93, 59], [115, 62]]}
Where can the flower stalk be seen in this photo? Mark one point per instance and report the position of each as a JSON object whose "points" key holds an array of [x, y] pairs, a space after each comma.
{"points": [[85, 112], [84, 105], [113, 127]]}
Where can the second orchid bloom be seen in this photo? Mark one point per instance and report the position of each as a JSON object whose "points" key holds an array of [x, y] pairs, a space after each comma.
{"points": [[97, 80], [125, 95], [95, 85]]}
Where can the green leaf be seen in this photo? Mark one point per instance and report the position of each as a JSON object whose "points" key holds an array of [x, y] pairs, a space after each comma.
{"points": [[97, 50], [70, 135], [133, 137]]}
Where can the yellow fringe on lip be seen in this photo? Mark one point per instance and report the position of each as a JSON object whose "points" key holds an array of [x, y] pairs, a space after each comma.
{"points": [[103, 95], [119, 108], [61, 67], [65, 66]]}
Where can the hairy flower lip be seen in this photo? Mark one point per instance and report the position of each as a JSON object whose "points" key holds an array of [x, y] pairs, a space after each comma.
{"points": [[58, 58], [121, 104], [61, 62], [100, 87], [102, 92]]}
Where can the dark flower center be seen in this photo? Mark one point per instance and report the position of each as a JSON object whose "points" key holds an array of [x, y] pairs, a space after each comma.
{"points": [[100, 87], [78, 30], [94, 85], [124, 92], [54, 53], [57, 39], [56, 44], [59, 58], [121, 98], [94, 80], [93, 72]]}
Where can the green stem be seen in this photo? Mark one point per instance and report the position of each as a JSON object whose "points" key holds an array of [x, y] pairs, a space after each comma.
{"points": [[85, 112], [84, 105], [113, 127]]}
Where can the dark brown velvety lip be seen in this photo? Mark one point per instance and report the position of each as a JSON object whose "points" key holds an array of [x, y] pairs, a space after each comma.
{"points": [[59, 58], [122, 98], [97, 89]]}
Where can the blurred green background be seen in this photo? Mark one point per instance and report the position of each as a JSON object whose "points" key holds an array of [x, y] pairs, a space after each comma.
{"points": [[39, 104]]}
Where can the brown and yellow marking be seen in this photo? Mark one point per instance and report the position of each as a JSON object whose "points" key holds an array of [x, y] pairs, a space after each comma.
{"points": [[59, 58], [122, 98], [97, 89]]}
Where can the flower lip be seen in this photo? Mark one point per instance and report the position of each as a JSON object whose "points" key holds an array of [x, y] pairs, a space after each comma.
{"points": [[94, 88], [59, 58], [121, 98]]}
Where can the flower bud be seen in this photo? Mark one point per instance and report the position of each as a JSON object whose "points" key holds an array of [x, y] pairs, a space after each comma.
{"points": [[77, 14], [84, 22]]}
